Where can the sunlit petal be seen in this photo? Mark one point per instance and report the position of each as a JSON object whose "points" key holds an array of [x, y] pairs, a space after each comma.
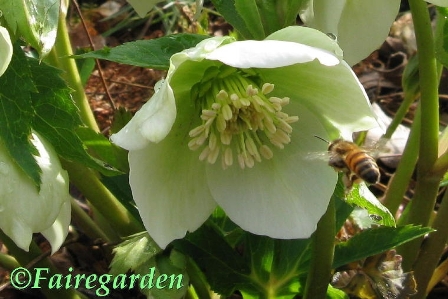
{"points": [[307, 36], [269, 54]]}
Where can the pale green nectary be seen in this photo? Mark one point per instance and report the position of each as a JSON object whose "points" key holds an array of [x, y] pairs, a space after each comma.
{"points": [[24, 210], [5, 49], [233, 124]]}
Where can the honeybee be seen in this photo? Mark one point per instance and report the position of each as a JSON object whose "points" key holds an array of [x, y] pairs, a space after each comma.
{"points": [[353, 161]]}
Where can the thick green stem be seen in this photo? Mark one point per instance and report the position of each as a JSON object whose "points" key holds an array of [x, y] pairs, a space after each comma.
{"points": [[87, 225], [60, 58], [400, 180], [198, 280], [427, 185], [322, 255], [89, 184], [25, 258], [432, 250], [399, 116]]}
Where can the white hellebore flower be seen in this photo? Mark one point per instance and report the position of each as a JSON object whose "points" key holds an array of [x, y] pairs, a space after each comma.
{"points": [[356, 24], [5, 49], [232, 125], [24, 210]]}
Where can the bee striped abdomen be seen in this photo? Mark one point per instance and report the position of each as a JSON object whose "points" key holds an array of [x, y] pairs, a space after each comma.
{"points": [[363, 166]]}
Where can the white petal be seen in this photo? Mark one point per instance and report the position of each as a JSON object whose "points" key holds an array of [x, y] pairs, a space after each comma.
{"points": [[307, 36], [57, 233], [360, 33], [5, 49], [283, 197], [355, 23], [269, 54], [23, 210], [323, 14], [151, 123], [169, 187]]}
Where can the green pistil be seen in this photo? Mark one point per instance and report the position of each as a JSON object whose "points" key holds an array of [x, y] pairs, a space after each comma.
{"points": [[242, 125]]}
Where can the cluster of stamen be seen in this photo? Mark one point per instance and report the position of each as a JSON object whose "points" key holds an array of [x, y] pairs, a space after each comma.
{"points": [[242, 125]]}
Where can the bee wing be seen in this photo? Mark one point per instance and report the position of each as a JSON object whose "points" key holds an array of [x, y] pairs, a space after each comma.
{"points": [[322, 155], [378, 148]]}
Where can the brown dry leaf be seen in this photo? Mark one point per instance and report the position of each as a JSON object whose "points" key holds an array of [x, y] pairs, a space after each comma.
{"points": [[377, 277]]}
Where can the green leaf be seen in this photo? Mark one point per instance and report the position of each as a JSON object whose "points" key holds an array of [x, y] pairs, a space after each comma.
{"points": [[373, 241], [228, 10], [362, 197], [171, 267], [441, 35], [274, 261], [259, 267], [154, 53], [256, 19], [35, 20], [132, 253], [248, 10], [226, 269], [16, 110], [56, 116], [333, 293], [158, 274]]}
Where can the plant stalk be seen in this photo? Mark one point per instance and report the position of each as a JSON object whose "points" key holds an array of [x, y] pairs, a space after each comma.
{"points": [[60, 57], [432, 250], [322, 249], [399, 182], [427, 185], [91, 187]]}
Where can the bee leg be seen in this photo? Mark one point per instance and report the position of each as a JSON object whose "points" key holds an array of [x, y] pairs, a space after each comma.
{"points": [[348, 180], [348, 183]]}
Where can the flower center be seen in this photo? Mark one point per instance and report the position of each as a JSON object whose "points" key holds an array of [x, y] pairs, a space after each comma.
{"points": [[239, 120]]}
